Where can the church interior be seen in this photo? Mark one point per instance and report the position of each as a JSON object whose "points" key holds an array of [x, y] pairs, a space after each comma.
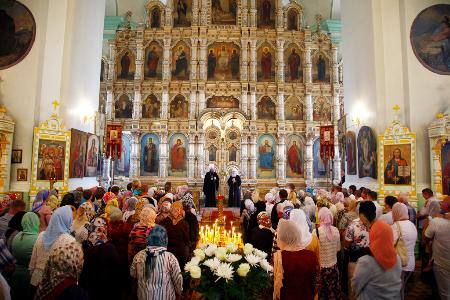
{"points": [[316, 96]]}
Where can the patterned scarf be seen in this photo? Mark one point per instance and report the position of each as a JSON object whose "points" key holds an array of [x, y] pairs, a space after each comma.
{"points": [[98, 233], [157, 241], [64, 263]]}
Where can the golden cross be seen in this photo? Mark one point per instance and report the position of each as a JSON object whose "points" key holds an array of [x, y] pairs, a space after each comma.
{"points": [[55, 104], [396, 108]]}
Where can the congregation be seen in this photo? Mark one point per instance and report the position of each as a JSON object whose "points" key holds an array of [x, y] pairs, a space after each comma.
{"points": [[134, 243]]}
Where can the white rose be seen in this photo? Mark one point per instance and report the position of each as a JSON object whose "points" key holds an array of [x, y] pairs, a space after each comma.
{"points": [[195, 272], [210, 250], [233, 257], [199, 253], [221, 253], [248, 249], [243, 269], [231, 248]]}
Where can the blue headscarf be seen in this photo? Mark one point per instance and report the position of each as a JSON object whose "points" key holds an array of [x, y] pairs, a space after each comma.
{"points": [[157, 241], [60, 223], [41, 196]]}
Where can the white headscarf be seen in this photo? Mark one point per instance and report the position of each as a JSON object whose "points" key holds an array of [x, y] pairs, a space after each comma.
{"points": [[249, 205], [234, 172], [299, 218], [211, 167], [269, 197], [310, 207]]}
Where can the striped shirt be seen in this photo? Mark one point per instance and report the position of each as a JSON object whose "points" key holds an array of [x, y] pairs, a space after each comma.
{"points": [[165, 282]]}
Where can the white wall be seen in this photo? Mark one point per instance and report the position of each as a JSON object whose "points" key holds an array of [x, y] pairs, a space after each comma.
{"points": [[63, 64], [381, 70]]}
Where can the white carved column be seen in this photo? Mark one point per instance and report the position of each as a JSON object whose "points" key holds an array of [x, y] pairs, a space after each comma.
{"points": [[168, 20], [334, 54], [166, 60], [204, 13], [195, 12], [163, 154], [309, 158], [191, 157], [201, 153], [308, 105], [244, 100], [137, 107], [308, 66], [280, 61], [201, 99], [279, 24], [192, 103], [112, 59], [253, 60], [109, 109], [244, 60], [194, 59], [280, 104], [244, 14], [253, 105], [281, 157], [252, 13], [244, 156], [336, 117], [135, 161], [202, 59], [139, 60], [164, 102], [253, 156]]}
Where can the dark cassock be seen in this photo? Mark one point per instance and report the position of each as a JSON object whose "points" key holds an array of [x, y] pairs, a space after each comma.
{"points": [[234, 64], [125, 64], [212, 60], [234, 193], [210, 187]]}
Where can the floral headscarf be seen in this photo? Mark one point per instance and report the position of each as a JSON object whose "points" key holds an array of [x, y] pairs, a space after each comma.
{"points": [[5, 203], [176, 212], [188, 200], [147, 217], [264, 220], [139, 206], [65, 262], [98, 234], [84, 214], [53, 202]]}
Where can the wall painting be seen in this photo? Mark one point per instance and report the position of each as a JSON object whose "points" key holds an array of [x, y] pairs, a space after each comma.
{"points": [[153, 61], [224, 12], [223, 61], [182, 13], [151, 107], [92, 155], [149, 155], [266, 13], [266, 63], [320, 166], [123, 107], [293, 109], [294, 155], [181, 58], [350, 146], [179, 108], [77, 153], [266, 109], [266, 156], [445, 163], [397, 164], [367, 153], [126, 66], [293, 64], [226, 102], [122, 165], [178, 155]]}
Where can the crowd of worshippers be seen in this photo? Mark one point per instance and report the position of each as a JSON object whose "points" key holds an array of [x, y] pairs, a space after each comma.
{"points": [[134, 243]]}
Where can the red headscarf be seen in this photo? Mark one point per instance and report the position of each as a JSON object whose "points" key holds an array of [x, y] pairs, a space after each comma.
{"points": [[382, 245]]}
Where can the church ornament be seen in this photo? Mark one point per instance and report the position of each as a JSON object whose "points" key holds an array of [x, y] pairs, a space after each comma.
{"points": [[6, 141], [397, 160], [199, 70], [51, 154]]}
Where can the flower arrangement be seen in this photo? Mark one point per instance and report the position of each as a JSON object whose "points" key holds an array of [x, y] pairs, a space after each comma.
{"points": [[229, 272]]}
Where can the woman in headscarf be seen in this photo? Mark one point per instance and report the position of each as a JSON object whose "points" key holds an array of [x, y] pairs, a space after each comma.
{"points": [[83, 216], [152, 197], [14, 227], [349, 215], [296, 269], [178, 233], [137, 214], [164, 211], [41, 207], [310, 209], [62, 271], [101, 263], [270, 201], [330, 245], [5, 204], [262, 235], [378, 275], [22, 247], [118, 233], [56, 235], [405, 230], [260, 206], [129, 208], [156, 270], [53, 202], [309, 241], [249, 209], [137, 238], [191, 219]]}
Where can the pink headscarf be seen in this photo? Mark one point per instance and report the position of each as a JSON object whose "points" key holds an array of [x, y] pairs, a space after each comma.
{"points": [[399, 212], [326, 221]]}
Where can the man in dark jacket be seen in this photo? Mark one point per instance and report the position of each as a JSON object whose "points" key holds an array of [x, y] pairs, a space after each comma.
{"points": [[275, 217]]}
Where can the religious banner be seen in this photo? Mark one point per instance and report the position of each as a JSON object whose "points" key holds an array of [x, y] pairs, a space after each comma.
{"points": [[327, 142], [113, 140]]}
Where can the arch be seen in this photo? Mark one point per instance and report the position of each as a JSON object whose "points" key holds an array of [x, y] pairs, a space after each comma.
{"points": [[221, 120], [153, 21], [181, 57], [223, 61], [149, 155], [266, 156], [178, 153], [155, 17], [321, 67], [123, 107], [295, 145], [153, 61], [151, 107], [266, 62], [322, 110], [179, 107], [182, 13], [293, 109], [292, 19], [293, 63], [126, 65], [266, 109]]}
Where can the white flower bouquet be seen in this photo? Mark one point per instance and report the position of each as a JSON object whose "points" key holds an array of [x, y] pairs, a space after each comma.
{"points": [[227, 273]]}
